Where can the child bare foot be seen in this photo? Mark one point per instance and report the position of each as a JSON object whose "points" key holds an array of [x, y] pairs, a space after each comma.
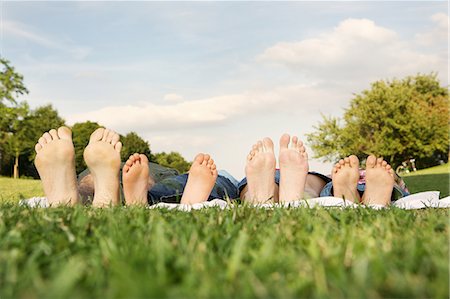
{"points": [[55, 162], [293, 168], [260, 172], [135, 180], [345, 176], [379, 182], [102, 156], [201, 180]]}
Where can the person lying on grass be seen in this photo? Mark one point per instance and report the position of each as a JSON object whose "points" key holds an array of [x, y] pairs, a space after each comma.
{"points": [[55, 163]]}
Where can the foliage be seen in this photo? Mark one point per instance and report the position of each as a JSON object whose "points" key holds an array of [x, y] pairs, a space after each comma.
{"points": [[398, 119], [24, 129], [11, 83], [240, 252], [133, 143], [81, 133], [172, 160]]}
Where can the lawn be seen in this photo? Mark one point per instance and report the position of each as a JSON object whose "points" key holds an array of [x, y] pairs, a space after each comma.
{"points": [[242, 252]]}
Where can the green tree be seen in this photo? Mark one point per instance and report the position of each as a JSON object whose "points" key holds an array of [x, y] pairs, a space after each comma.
{"points": [[133, 143], [25, 129], [172, 160], [81, 133], [11, 83], [398, 119]]}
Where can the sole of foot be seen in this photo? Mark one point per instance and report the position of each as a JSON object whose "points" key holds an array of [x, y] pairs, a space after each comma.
{"points": [[102, 156], [135, 179], [55, 162], [201, 179], [379, 182], [260, 173], [294, 168], [345, 176]]}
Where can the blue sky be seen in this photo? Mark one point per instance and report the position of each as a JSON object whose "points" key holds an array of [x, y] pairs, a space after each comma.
{"points": [[216, 76]]}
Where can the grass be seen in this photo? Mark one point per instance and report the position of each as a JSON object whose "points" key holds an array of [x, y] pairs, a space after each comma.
{"points": [[242, 252], [430, 179]]}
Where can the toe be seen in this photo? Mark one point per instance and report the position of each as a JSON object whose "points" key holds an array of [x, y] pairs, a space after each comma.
{"points": [[268, 144], [371, 161], [54, 134], [384, 164], [97, 135], [341, 162], [118, 146], [105, 134], [379, 161], [115, 139], [347, 160], [354, 161], [64, 133], [126, 168], [144, 159], [260, 146], [284, 141], [37, 147], [110, 136], [47, 137], [199, 158], [42, 141], [211, 161]]}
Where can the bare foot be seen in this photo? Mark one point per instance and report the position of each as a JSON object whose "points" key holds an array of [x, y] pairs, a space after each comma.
{"points": [[260, 172], [55, 162], [345, 176], [102, 156], [201, 180], [379, 182], [293, 168], [135, 180]]}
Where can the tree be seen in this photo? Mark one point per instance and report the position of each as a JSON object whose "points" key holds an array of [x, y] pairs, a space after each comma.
{"points": [[81, 133], [11, 83], [172, 160], [25, 129], [133, 143], [398, 119]]}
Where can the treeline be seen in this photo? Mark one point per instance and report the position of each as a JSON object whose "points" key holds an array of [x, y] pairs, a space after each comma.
{"points": [[399, 119], [21, 127]]}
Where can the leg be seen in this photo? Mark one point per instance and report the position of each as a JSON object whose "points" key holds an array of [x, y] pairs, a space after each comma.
{"points": [[345, 176], [260, 173], [201, 180], [135, 178], [379, 182], [55, 162], [293, 169], [102, 156], [314, 185]]}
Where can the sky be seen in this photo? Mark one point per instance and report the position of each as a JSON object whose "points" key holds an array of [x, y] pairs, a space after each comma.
{"points": [[215, 77]]}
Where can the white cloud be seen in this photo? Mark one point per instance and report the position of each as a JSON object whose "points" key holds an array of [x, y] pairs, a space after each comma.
{"points": [[18, 30], [436, 35], [357, 49], [213, 111], [173, 98]]}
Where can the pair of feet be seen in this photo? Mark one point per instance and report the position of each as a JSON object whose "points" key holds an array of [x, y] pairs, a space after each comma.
{"points": [[260, 171], [55, 162], [379, 180]]}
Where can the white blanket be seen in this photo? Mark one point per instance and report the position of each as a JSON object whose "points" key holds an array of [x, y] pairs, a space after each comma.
{"points": [[422, 200]]}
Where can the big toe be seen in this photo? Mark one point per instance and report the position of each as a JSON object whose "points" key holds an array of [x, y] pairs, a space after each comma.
{"points": [[268, 144], [97, 135], [354, 161], [64, 133], [199, 158], [371, 161], [284, 141]]}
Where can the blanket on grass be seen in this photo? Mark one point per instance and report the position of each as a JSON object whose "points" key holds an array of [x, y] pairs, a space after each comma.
{"points": [[422, 200]]}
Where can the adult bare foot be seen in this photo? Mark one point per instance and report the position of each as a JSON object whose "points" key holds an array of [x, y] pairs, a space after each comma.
{"points": [[379, 182], [102, 156], [55, 162], [293, 168], [201, 180], [345, 176], [260, 172], [135, 180]]}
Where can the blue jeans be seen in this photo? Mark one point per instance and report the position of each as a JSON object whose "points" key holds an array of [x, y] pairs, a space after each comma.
{"points": [[171, 189]]}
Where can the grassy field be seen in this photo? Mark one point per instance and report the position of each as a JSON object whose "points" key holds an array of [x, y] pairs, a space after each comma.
{"points": [[430, 179], [242, 252]]}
